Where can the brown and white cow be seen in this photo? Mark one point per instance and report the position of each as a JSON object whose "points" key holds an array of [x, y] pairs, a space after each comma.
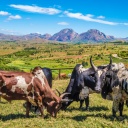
{"points": [[32, 87]]}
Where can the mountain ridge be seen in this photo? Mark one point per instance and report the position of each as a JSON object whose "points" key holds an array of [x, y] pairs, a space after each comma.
{"points": [[66, 35]]}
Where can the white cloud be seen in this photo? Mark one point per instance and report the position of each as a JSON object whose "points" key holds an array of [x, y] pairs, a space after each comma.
{"points": [[3, 13], [88, 17], [125, 24], [101, 17], [7, 31], [14, 17], [36, 9], [63, 23]]}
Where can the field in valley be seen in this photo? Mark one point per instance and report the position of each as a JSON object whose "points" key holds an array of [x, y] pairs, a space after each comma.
{"points": [[26, 55]]}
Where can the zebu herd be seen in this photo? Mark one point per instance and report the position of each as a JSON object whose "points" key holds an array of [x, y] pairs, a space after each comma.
{"points": [[111, 81]]}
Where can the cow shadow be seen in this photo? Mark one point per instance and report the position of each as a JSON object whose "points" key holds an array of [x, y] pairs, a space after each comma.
{"points": [[98, 108], [14, 116], [1, 102], [107, 117]]}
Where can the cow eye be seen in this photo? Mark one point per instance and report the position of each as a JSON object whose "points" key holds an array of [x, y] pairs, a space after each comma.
{"points": [[108, 76], [92, 75], [103, 79]]}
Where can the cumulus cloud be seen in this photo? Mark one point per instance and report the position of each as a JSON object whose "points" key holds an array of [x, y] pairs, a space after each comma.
{"points": [[11, 17], [101, 17], [3, 13], [36, 9], [63, 23], [88, 17]]}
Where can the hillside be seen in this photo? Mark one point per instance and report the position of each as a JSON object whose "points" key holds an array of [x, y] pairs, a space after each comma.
{"points": [[65, 35]]}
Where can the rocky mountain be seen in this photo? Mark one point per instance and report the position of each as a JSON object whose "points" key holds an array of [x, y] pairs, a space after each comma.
{"points": [[65, 35], [36, 36], [46, 36], [94, 35]]}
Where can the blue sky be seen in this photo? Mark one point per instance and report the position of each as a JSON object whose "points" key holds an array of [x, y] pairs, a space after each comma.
{"points": [[21, 17]]}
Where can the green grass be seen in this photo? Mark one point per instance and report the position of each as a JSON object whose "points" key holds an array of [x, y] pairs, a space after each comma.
{"points": [[100, 116], [60, 55]]}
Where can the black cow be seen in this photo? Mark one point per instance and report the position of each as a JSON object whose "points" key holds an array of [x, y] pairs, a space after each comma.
{"points": [[81, 82], [48, 74], [115, 87]]}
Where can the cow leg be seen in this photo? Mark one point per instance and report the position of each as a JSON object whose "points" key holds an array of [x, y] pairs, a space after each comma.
{"points": [[127, 103], [113, 112], [41, 109], [35, 109], [81, 103], [87, 103], [40, 106], [28, 106], [121, 105], [115, 107]]}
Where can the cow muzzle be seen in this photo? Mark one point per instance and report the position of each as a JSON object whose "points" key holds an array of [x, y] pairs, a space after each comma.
{"points": [[97, 89]]}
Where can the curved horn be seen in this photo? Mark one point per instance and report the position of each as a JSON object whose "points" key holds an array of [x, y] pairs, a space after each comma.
{"points": [[62, 95], [66, 100], [110, 63], [92, 65], [58, 92]]}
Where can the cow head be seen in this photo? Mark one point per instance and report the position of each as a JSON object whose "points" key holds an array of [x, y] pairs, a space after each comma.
{"points": [[97, 74], [54, 106], [109, 79]]}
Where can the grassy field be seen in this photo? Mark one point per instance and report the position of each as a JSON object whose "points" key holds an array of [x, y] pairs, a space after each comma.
{"points": [[100, 116], [26, 55]]}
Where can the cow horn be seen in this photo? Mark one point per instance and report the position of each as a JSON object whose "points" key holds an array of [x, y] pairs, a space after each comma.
{"points": [[58, 92], [110, 63], [66, 100], [92, 65], [62, 95]]}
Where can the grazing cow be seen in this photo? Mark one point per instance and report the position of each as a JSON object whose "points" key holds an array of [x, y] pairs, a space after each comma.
{"points": [[32, 87], [48, 74], [115, 87], [82, 82]]}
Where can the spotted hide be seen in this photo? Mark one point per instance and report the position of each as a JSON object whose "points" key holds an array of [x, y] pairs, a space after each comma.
{"points": [[32, 87], [115, 87]]}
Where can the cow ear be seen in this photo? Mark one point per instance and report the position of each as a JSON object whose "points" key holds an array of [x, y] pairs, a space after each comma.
{"points": [[31, 71], [50, 103]]}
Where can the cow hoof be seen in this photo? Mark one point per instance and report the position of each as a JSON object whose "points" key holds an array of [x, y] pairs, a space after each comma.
{"points": [[40, 116], [113, 118], [86, 109], [37, 112], [27, 116], [120, 118]]}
